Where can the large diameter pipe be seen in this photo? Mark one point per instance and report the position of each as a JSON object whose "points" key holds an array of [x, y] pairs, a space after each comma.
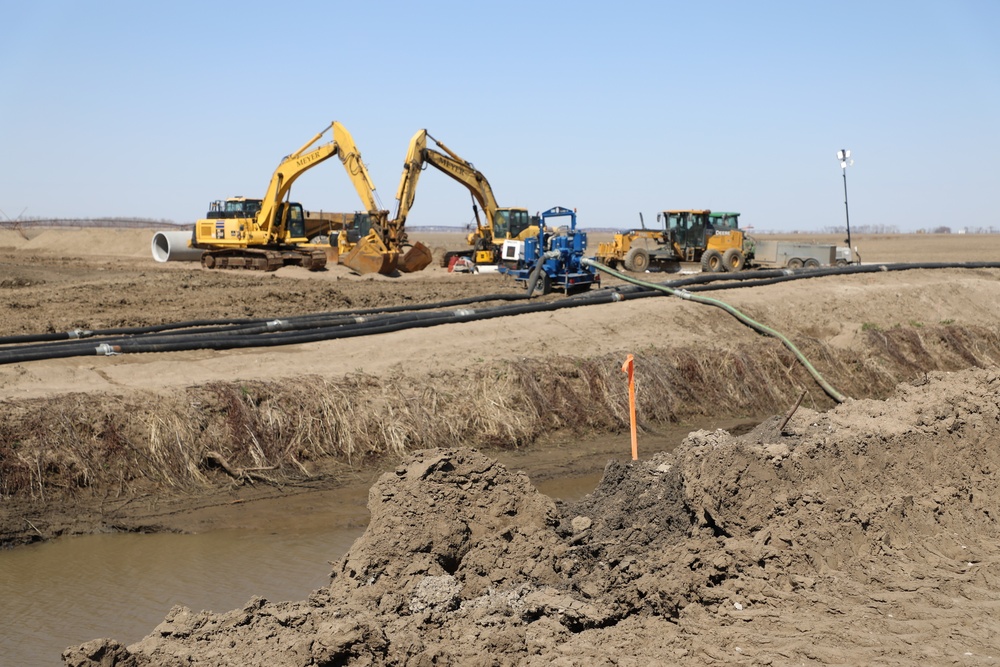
{"points": [[173, 247]]}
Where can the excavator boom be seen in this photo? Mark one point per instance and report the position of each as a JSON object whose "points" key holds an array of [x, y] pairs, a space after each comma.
{"points": [[379, 251], [499, 223], [272, 236]]}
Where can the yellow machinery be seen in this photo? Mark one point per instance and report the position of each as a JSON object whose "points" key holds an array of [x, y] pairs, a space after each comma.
{"points": [[687, 236], [500, 223], [269, 233]]}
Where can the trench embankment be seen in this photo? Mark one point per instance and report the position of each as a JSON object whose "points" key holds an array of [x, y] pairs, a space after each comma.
{"points": [[865, 534], [77, 463]]}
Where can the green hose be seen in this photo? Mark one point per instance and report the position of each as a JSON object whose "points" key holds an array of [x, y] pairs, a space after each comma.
{"points": [[830, 391]]}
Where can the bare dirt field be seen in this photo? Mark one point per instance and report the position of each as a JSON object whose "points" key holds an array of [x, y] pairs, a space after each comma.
{"points": [[863, 532]]}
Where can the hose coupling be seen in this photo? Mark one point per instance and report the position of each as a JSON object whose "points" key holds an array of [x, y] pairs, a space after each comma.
{"points": [[108, 350], [80, 333], [277, 325]]}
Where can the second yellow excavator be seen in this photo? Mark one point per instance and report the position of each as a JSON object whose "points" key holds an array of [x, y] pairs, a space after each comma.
{"points": [[499, 224]]}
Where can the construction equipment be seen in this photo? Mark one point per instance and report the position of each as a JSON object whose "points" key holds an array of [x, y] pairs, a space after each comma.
{"points": [[500, 222], [321, 226], [787, 254], [686, 236], [712, 239], [550, 259], [269, 233], [638, 250]]}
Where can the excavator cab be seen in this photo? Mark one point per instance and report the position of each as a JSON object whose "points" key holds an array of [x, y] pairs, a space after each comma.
{"points": [[291, 218], [514, 223]]}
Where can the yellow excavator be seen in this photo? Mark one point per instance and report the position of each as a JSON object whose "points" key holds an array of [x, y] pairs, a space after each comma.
{"points": [[500, 223], [269, 233]]}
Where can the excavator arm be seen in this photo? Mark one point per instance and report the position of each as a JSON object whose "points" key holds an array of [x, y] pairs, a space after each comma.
{"points": [[499, 223], [270, 229], [454, 166], [268, 239], [380, 250]]}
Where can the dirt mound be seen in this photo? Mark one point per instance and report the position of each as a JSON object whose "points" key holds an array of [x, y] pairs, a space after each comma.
{"points": [[864, 535], [10, 238], [92, 241]]}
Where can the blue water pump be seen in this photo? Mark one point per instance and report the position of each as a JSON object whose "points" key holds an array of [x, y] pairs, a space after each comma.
{"points": [[550, 260]]}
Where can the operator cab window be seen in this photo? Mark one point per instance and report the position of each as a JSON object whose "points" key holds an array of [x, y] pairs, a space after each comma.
{"points": [[501, 223], [519, 221]]}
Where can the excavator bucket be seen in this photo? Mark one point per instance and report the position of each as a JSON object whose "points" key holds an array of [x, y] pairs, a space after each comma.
{"points": [[369, 255], [417, 258]]}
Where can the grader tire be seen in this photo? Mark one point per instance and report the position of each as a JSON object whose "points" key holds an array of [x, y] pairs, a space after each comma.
{"points": [[637, 260], [734, 260], [711, 262]]}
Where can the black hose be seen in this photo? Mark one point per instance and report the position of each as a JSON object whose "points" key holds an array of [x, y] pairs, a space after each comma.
{"points": [[227, 324], [233, 334], [534, 275], [346, 328]]}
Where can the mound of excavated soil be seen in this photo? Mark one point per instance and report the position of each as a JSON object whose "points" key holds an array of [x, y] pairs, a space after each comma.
{"points": [[864, 535]]}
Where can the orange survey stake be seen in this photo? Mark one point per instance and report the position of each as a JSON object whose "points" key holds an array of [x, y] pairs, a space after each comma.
{"points": [[629, 368]]}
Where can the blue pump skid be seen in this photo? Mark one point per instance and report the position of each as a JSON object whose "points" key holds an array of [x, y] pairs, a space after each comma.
{"points": [[555, 253]]}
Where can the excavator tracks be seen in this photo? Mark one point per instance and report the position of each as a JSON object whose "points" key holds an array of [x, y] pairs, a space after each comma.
{"points": [[264, 259]]}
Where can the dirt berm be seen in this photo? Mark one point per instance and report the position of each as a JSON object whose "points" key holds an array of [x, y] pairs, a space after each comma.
{"points": [[863, 535]]}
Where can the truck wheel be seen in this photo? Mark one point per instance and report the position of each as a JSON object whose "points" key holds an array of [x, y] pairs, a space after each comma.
{"points": [[812, 263], [795, 263], [841, 262], [734, 260], [711, 262], [637, 260]]}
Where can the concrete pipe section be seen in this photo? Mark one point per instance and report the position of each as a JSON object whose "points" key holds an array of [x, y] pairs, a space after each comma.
{"points": [[173, 247]]}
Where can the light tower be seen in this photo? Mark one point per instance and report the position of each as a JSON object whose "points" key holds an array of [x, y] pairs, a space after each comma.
{"points": [[844, 155]]}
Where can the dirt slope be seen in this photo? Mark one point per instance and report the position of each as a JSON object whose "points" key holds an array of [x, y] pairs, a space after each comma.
{"points": [[865, 535]]}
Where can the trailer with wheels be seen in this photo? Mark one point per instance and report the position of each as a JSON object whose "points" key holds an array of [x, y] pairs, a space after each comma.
{"points": [[785, 254]]}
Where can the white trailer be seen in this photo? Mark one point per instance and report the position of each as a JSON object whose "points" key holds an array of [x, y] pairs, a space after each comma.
{"points": [[785, 254]]}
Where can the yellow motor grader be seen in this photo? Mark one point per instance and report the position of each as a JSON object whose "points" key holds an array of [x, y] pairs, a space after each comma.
{"points": [[712, 239]]}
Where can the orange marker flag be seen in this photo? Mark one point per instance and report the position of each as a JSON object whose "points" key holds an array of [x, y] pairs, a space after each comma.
{"points": [[629, 368]]}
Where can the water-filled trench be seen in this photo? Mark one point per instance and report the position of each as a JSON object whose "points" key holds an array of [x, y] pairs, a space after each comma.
{"points": [[71, 590]]}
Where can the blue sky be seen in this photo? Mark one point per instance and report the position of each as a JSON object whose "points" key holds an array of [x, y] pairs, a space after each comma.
{"points": [[154, 109]]}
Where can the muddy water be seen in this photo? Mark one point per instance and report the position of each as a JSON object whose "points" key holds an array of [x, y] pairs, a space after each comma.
{"points": [[71, 590]]}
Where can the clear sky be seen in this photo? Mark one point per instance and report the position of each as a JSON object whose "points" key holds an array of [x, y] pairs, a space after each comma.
{"points": [[153, 109]]}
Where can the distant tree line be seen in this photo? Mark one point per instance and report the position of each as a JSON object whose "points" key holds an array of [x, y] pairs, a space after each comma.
{"points": [[864, 229], [893, 229]]}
